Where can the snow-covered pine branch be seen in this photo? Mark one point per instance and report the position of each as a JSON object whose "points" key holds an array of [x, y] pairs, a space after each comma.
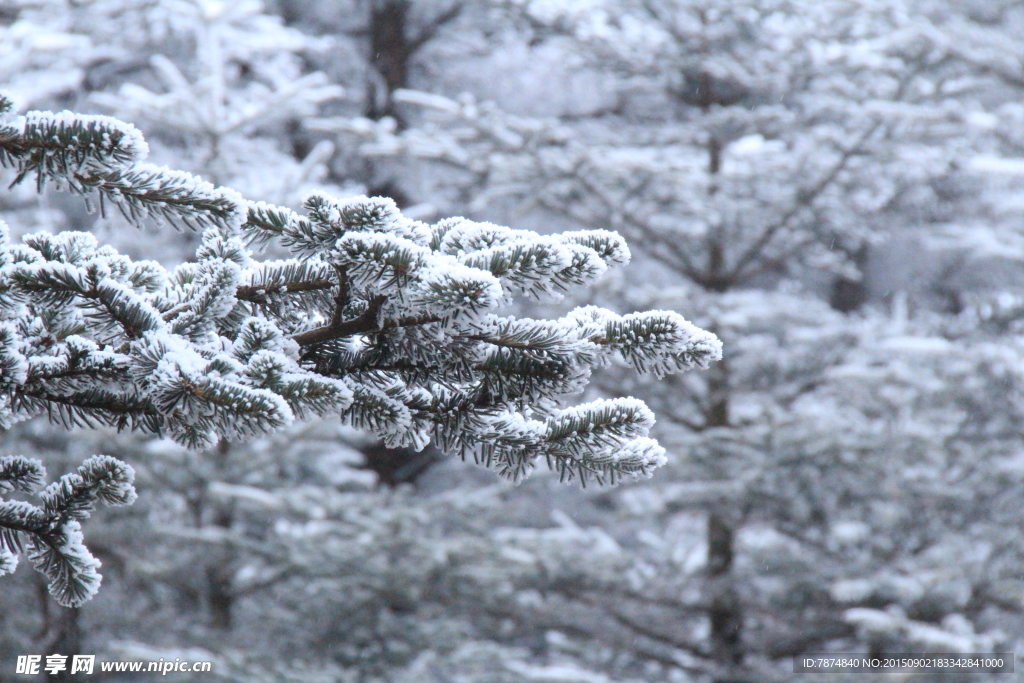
{"points": [[51, 534], [389, 321], [98, 157]]}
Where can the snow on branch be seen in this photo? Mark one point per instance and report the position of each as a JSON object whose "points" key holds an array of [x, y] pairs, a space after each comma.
{"points": [[51, 533], [386, 320], [99, 157]]}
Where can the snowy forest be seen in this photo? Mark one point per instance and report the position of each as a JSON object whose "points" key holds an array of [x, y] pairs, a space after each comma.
{"points": [[511, 341]]}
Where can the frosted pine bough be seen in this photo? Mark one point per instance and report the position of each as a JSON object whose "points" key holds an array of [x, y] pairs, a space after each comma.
{"points": [[388, 321], [52, 534]]}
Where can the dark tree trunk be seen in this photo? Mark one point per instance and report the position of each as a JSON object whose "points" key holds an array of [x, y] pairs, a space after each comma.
{"points": [[725, 611], [390, 51], [65, 638], [220, 596], [220, 593], [714, 158], [393, 42]]}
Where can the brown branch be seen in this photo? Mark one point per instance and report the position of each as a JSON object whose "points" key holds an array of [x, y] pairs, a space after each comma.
{"points": [[175, 312], [342, 300], [68, 374], [365, 322], [76, 401], [258, 294]]}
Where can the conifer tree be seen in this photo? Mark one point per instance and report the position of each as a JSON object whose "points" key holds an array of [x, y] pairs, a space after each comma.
{"points": [[389, 322], [758, 148], [868, 470]]}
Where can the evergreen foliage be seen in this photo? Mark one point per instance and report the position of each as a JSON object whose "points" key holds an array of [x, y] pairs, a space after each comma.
{"points": [[51, 534], [388, 321], [761, 152], [831, 186]]}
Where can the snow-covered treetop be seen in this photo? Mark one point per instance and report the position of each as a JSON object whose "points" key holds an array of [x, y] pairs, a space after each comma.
{"points": [[389, 321]]}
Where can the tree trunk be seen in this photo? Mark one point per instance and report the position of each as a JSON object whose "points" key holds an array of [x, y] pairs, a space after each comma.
{"points": [[65, 639], [220, 593], [725, 611], [220, 577], [389, 54]]}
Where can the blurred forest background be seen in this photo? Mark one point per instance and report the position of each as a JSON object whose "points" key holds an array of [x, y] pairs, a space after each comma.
{"points": [[834, 187]]}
